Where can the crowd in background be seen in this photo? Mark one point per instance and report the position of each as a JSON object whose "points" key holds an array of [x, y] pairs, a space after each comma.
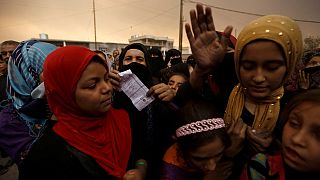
{"points": [[237, 108]]}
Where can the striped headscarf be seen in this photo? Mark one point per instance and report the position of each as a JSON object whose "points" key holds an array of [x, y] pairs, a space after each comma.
{"points": [[24, 68]]}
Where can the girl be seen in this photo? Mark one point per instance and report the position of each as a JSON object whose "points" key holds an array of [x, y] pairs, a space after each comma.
{"points": [[91, 139], [265, 56], [299, 158], [201, 140]]}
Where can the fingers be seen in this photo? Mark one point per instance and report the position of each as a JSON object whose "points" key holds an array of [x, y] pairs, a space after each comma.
{"points": [[194, 23], [132, 174], [260, 139], [162, 91], [226, 36], [237, 129], [114, 78], [167, 95], [209, 19], [189, 34], [201, 18], [303, 80]]}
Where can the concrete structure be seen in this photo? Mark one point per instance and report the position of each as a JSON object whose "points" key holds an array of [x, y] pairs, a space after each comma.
{"points": [[102, 46], [162, 43]]}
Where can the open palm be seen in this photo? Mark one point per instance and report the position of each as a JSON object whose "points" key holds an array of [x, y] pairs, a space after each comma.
{"points": [[207, 48]]}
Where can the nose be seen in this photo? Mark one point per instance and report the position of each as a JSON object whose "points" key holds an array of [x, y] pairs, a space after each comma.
{"points": [[259, 76], [211, 165], [6, 55], [106, 87], [299, 138], [174, 86]]}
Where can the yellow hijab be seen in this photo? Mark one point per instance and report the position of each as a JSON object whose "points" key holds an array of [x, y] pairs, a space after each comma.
{"points": [[283, 31]]}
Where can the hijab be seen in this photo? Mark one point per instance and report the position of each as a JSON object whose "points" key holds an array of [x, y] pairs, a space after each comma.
{"points": [[286, 33], [141, 71], [24, 68], [106, 138], [138, 46], [156, 62], [173, 56]]}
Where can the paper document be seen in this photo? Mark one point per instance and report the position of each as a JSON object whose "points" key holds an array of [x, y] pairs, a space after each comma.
{"points": [[132, 86]]}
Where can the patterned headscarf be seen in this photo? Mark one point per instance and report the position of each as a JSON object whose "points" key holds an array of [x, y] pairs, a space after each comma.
{"points": [[24, 68], [283, 31]]}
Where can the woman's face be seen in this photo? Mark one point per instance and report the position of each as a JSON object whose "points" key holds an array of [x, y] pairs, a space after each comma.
{"points": [[134, 55], [262, 68], [94, 90], [301, 138], [176, 81], [205, 157]]}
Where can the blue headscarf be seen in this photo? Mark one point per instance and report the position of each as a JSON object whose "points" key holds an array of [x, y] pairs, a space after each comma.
{"points": [[24, 68]]}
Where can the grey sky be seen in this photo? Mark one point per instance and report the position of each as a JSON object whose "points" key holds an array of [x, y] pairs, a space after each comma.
{"points": [[118, 20]]}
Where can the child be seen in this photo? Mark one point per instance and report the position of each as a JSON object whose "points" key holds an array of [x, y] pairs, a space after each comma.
{"points": [[299, 158], [91, 139], [201, 140]]}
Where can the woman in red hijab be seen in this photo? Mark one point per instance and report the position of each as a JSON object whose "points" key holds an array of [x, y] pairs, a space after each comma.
{"points": [[91, 139]]}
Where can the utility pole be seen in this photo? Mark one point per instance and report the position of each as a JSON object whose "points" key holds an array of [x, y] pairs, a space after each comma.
{"points": [[181, 26], [95, 30]]}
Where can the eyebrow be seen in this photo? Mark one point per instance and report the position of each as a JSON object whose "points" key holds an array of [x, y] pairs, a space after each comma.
{"points": [[201, 157]]}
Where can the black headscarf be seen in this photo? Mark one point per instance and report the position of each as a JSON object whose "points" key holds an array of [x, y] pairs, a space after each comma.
{"points": [[172, 53], [156, 63], [138, 46]]}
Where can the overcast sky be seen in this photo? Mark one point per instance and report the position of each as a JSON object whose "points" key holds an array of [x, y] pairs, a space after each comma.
{"points": [[118, 20]]}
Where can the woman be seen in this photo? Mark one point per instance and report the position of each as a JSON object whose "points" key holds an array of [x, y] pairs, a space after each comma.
{"points": [[24, 119], [91, 139], [151, 132]]}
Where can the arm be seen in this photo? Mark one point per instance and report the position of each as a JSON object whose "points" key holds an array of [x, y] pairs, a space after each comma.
{"points": [[205, 45]]}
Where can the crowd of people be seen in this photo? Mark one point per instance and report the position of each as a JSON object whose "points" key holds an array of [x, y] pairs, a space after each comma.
{"points": [[238, 108]]}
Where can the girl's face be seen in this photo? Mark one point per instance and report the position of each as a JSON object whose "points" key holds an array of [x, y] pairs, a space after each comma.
{"points": [[206, 157], [93, 92], [134, 55], [262, 68], [301, 138], [176, 81]]}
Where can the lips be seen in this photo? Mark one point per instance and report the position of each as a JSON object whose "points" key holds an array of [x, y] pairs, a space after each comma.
{"points": [[106, 101], [292, 155], [258, 88]]}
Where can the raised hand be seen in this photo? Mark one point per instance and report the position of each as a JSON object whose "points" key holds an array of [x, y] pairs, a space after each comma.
{"points": [[303, 80], [207, 49]]}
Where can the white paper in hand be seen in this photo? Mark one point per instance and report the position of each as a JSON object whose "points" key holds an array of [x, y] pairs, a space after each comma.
{"points": [[132, 86]]}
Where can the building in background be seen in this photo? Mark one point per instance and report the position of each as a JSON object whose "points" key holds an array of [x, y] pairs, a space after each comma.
{"points": [[106, 47], [162, 43]]}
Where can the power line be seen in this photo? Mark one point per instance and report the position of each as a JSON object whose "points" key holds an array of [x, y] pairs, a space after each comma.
{"points": [[247, 13]]}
